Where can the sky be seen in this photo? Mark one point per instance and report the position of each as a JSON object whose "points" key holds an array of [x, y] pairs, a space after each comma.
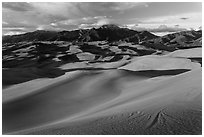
{"points": [[157, 17]]}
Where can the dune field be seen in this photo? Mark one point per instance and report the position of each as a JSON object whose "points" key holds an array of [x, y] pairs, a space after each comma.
{"points": [[149, 95]]}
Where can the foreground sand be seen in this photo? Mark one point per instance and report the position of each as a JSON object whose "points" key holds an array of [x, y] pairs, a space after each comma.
{"points": [[111, 102]]}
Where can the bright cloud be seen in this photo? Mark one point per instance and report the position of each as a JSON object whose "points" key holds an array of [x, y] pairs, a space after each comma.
{"points": [[73, 15]]}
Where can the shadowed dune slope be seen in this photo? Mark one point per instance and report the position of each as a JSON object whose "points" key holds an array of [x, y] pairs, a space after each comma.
{"points": [[12, 76]]}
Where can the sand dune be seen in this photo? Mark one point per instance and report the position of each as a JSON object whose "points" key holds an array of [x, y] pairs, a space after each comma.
{"points": [[155, 62], [86, 65], [110, 102], [69, 98], [194, 54], [144, 95], [187, 53]]}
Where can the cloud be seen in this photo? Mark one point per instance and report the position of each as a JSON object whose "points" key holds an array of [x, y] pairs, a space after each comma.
{"points": [[111, 6], [94, 25], [59, 9], [17, 25], [73, 15], [118, 6], [86, 26], [86, 22], [4, 23], [200, 28], [177, 18], [183, 18], [53, 24], [13, 33], [13, 30], [160, 28], [17, 6], [165, 28], [56, 28]]}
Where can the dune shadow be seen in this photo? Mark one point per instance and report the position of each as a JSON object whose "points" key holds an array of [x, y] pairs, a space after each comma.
{"points": [[155, 73], [88, 68], [19, 75], [198, 60]]}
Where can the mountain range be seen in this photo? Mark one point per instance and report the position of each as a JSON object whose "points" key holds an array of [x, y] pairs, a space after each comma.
{"points": [[108, 32]]}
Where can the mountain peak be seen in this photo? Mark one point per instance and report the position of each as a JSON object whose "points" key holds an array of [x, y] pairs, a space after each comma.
{"points": [[110, 26]]}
